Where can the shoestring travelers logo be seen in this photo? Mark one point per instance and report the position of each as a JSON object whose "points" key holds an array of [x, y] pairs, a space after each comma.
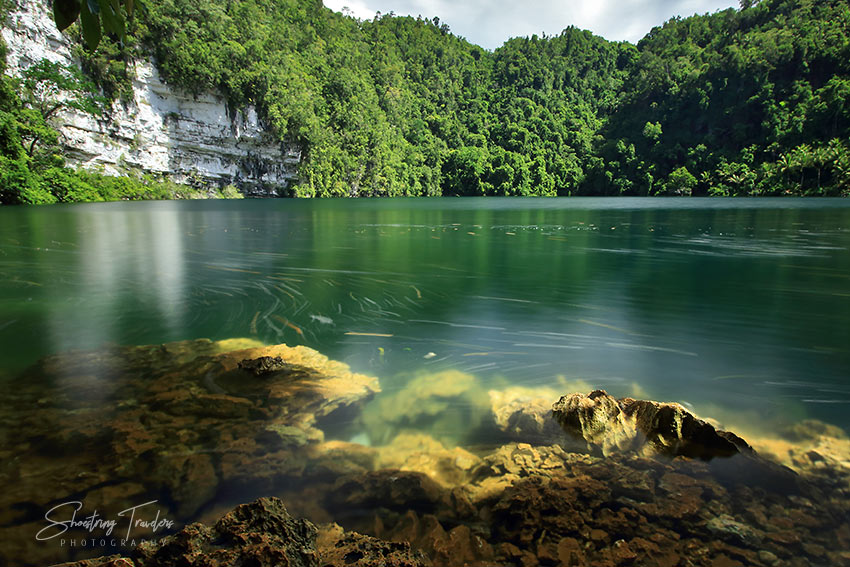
{"points": [[69, 525]]}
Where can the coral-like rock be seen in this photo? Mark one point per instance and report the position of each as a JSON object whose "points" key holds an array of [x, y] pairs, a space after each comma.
{"points": [[525, 414], [609, 425], [392, 489], [177, 423], [337, 548], [422, 453], [264, 365], [811, 446], [455, 547], [333, 459], [648, 502], [429, 402], [108, 561], [261, 533], [509, 463]]}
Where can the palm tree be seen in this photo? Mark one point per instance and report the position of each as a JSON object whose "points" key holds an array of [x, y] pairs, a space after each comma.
{"points": [[819, 158], [841, 173], [803, 157], [786, 166]]}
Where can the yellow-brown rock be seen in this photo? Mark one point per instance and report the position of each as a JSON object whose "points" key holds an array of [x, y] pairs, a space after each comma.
{"points": [[610, 425], [178, 423], [422, 453]]}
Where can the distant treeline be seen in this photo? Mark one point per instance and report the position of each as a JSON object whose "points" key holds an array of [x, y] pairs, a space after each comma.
{"points": [[753, 101]]}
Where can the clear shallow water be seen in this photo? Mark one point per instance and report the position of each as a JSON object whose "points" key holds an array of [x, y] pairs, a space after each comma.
{"points": [[737, 307]]}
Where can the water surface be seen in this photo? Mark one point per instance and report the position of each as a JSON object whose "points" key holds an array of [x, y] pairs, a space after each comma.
{"points": [[736, 307]]}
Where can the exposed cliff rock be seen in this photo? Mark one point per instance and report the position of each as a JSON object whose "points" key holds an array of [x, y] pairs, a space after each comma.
{"points": [[189, 139]]}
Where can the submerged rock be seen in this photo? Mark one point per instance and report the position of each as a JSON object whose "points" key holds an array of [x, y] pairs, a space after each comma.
{"points": [[525, 414], [336, 547], [557, 508], [508, 464], [333, 459], [656, 497], [264, 365], [449, 404], [811, 446], [107, 561], [422, 453], [446, 546], [387, 488], [180, 423], [609, 425], [261, 533]]}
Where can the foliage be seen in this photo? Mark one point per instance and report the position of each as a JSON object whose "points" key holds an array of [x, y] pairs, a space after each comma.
{"points": [[110, 67], [681, 182], [96, 17], [753, 101]]}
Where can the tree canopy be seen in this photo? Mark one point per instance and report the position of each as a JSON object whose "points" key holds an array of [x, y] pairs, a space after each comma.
{"points": [[753, 101]]}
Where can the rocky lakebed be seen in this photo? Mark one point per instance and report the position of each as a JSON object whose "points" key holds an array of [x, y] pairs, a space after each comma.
{"points": [[204, 453]]}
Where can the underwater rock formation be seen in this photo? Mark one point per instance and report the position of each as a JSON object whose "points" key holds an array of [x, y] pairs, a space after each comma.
{"points": [[338, 547], [422, 453], [538, 505], [423, 403], [609, 425], [575, 510], [177, 424], [265, 365], [194, 426], [263, 534], [525, 414]]}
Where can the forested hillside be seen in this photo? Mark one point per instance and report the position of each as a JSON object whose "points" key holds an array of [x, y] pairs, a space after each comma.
{"points": [[737, 103], [753, 101]]}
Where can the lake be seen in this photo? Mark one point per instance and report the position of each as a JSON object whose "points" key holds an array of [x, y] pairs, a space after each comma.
{"points": [[736, 308]]}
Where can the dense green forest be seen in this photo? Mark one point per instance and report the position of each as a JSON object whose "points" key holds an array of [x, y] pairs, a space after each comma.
{"points": [[753, 101]]}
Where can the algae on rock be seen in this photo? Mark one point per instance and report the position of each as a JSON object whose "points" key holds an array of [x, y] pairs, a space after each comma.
{"points": [[178, 423]]}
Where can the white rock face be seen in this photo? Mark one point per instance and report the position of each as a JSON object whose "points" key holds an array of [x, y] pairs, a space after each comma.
{"points": [[163, 130]]}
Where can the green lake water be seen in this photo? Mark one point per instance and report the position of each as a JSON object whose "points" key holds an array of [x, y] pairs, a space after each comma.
{"points": [[739, 308]]}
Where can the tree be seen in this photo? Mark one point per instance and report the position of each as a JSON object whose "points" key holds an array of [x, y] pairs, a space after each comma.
{"points": [[681, 182], [96, 17], [47, 88]]}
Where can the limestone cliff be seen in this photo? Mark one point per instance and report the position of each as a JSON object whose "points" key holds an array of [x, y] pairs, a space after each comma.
{"points": [[162, 130]]}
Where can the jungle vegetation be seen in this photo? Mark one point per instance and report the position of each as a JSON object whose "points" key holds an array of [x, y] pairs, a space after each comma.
{"points": [[749, 101]]}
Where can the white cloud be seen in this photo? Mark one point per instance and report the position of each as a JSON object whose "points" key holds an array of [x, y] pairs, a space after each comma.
{"points": [[489, 23]]}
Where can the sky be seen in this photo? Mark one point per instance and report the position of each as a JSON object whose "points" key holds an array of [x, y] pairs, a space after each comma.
{"points": [[489, 23]]}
